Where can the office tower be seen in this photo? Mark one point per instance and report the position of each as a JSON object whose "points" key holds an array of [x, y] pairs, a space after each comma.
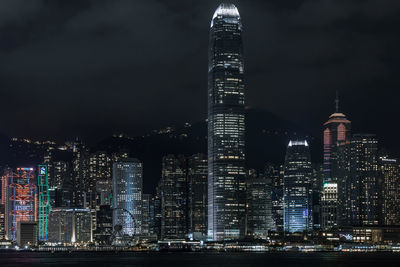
{"points": [[56, 227], [80, 175], [44, 202], [329, 202], [146, 202], [156, 212], [226, 127], [78, 226], [61, 184], [20, 199], [2, 222], [104, 225], [336, 130], [275, 173], [297, 197], [27, 234], [198, 184], [127, 195], [317, 187], [173, 198], [359, 182], [390, 171], [100, 182], [259, 205]]}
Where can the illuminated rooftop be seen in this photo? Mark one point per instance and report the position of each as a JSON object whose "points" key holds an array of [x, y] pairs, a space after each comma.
{"points": [[226, 10], [337, 117], [298, 143]]}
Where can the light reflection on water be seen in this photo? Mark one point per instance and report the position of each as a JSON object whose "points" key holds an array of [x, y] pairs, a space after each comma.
{"points": [[281, 259]]}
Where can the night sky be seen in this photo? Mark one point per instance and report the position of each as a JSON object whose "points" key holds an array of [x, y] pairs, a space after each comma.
{"points": [[92, 68]]}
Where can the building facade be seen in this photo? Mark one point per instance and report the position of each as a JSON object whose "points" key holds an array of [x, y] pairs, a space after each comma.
{"points": [[336, 130], [259, 205], [127, 196], [197, 182], [21, 199], [297, 196], [226, 126], [174, 198], [390, 171], [360, 184]]}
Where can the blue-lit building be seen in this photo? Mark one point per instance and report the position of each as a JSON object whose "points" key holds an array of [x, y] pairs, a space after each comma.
{"points": [[226, 127], [297, 187], [127, 196]]}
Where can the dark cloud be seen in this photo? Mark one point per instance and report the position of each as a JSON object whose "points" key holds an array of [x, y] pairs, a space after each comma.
{"points": [[95, 67]]}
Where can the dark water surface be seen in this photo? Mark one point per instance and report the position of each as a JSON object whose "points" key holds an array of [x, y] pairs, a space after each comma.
{"points": [[281, 259]]}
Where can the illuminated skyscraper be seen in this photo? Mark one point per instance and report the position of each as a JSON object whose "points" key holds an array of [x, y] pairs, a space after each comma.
{"points": [[329, 201], [297, 188], [21, 199], [275, 173], [197, 181], [174, 198], [259, 205], [44, 202], [2, 222], [359, 182], [226, 126], [127, 195], [390, 169], [336, 130]]}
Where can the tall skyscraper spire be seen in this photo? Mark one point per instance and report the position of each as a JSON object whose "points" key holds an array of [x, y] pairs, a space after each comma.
{"points": [[336, 131], [226, 127], [337, 101]]}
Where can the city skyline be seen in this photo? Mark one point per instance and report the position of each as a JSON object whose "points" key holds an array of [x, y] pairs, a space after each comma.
{"points": [[267, 23], [244, 179]]}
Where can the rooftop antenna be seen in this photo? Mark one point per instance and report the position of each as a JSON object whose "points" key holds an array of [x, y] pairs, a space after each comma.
{"points": [[337, 101]]}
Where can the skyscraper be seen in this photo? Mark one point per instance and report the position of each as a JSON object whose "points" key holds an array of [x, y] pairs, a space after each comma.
{"points": [[174, 198], [297, 188], [127, 195], [197, 201], [359, 182], [20, 199], [390, 171], [336, 130], [259, 205], [44, 202], [226, 126], [275, 173]]}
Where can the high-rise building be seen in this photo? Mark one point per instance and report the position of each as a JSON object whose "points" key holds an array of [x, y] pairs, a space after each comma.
{"points": [[60, 183], [359, 182], [2, 222], [44, 201], [56, 227], [174, 198], [275, 173], [127, 195], [336, 130], [226, 126], [197, 201], [104, 225], [297, 196], [156, 212], [329, 202], [390, 171], [80, 179], [259, 205], [146, 202], [100, 182], [78, 226], [21, 199]]}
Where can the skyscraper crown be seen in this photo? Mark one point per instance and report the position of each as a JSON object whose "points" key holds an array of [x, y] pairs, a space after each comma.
{"points": [[226, 10]]}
